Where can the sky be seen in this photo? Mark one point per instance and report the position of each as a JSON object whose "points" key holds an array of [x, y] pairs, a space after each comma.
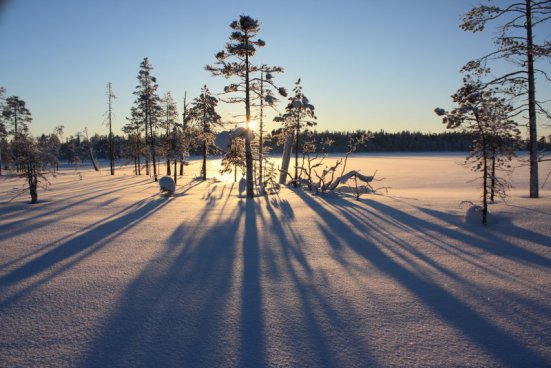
{"points": [[364, 64]]}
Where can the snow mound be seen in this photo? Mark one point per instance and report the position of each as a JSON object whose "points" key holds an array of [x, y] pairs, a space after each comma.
{"points": [[473, 216], [223, 141], [167, 185]]}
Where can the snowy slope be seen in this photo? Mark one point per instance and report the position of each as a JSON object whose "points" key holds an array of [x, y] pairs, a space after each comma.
{"points": [[105, 272]]}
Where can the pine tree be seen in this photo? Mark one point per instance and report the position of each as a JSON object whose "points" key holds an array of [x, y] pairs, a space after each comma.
{"points": [[51, 145], [134, 129], [488, 117], [110, 97], [262, 87], [148, 102], [186, 138], [169, 124], [235, 158], [203, 114], [299, 114], [16, 115], [515, 42], [242, 46]]}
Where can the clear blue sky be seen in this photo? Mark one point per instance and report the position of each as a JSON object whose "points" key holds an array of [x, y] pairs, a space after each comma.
{"points": [[365, 64]]}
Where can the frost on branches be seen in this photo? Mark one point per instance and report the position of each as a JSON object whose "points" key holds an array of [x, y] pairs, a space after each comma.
{"points": [[234, 62], [516, 42], [203, 114], [485, 115]]}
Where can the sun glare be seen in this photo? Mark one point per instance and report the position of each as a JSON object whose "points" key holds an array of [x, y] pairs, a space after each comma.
{"points": [[252, 125]]}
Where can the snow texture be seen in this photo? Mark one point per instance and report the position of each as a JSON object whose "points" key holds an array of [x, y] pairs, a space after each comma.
{"points": [[105, 272]]}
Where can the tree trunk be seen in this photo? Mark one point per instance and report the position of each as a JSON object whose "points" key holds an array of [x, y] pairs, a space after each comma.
{"points": [[15, 121], [168, 167], [92, 157], [111, 143], [485, 192], [147, 144], [184, 136], [111, 149], [260, 132], [482, 133], [34, 194], [175, 176], [296, 150], [485, 178], [286, 158], [493, 178], [32, 180], [153, 157], [204, 160], [138, 150], [534, 185], [248, 151]]}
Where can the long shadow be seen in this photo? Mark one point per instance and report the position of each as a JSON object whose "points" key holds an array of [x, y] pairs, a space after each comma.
{"points": [[38, 249], [68, 253], [474, 238], [471, 239], [505, 349], [11, 229], [181, 191], [183, 309], [311, 338], [201, 302], [487, 239], [253, 352], [83, 189]]}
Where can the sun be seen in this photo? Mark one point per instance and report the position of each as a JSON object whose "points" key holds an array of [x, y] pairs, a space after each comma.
{"points": [[252, 125]]}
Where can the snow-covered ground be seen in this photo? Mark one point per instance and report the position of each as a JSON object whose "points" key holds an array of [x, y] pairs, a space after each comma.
{"points": [[104, 272]]}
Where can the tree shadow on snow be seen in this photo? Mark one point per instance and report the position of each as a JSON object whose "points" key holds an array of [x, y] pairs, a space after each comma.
{"points": [[70, 250], [206, 299], [320, 334], [184, 309], [42, 215], [401, 262]]}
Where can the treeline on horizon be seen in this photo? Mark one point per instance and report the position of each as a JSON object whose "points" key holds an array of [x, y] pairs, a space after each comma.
{"points": [[76, 148]]}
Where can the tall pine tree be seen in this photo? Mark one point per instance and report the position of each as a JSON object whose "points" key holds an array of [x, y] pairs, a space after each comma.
{"points": [[148, 102], [234, 61], [169, 125], [16, 115]]}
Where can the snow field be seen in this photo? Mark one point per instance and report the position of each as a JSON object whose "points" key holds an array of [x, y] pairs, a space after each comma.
{"points": [[106, 272]]}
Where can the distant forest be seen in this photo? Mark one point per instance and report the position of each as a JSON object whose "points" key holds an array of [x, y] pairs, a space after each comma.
{"points": [[78, 147]]}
